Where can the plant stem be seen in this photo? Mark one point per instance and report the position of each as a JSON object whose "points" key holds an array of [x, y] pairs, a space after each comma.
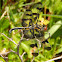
{"points": [[57, 16]]}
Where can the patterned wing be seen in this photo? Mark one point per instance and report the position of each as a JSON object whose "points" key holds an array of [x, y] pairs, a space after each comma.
{"points": [[30, 18]]}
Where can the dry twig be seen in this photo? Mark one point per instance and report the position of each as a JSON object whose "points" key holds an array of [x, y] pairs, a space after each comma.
{"points": [[19, 43], [9, 38], [18, 48], [3, 15], [39, 42], [20, 56], [54, 59], [33, 59]]}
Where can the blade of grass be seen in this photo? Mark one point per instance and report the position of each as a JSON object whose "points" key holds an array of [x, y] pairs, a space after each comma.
{"points": [[53, 29], [26, 48], [56, 16], [20, 5], [31, 4]]}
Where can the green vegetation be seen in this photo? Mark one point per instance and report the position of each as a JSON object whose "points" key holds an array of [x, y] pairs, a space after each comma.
{"points": [[14, 47]]}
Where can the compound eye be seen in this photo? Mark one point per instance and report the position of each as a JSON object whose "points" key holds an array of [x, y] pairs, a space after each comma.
{"points": [[43, 25]]}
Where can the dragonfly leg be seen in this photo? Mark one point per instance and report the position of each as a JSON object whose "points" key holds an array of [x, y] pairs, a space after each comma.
{"points": [[18, 28], [46, 41]]}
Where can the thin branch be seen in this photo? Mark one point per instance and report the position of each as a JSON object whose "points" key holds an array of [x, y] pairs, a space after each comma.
{"points": [[9, 38], [22, 56], [13, 51], [1, 56], [3, 15], [19, 43], [33, 59], [18, 55], [5, 53], [54, 59], [8, 52], [39, 42], [4, 58]]}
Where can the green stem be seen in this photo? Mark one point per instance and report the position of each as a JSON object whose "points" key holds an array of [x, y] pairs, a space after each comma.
{"points": [[26, 4], [57, 16]]}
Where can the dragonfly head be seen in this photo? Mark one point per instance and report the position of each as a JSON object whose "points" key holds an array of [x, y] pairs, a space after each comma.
{"points": [[43, 24]]}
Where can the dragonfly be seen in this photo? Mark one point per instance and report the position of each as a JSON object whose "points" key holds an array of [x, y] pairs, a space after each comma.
{"points": [[33, 24], [30, 23]]}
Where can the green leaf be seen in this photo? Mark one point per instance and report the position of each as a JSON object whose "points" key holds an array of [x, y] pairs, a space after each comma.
{"points": [[4, 23], [53, 29], [26, 48], [1, 59], [59, 51]]}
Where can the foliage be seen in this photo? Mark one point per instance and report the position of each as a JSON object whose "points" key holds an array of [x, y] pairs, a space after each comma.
{"points": [[12, 18]]}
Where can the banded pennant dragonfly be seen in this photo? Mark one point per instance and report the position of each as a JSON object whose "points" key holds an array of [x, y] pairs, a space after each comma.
{"points": [[32, 24]]}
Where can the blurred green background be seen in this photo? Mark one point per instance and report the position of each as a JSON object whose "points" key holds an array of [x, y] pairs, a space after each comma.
{"points": [[11, 12]]}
